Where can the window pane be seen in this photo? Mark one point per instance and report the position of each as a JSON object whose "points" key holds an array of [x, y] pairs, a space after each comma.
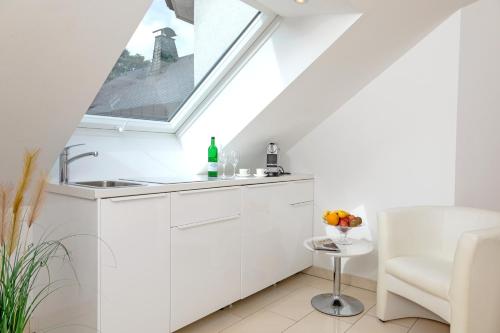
{"points": [[174, 48]]}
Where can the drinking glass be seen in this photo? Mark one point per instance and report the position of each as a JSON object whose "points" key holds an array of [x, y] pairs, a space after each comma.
{"points": [[223, 158], [234, 158]]}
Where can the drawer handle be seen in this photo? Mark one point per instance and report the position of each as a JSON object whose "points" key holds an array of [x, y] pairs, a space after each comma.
{"points": [[139, 197], [309, 180], [213, 221], [299, 204], [276, 183], [217, 189]]}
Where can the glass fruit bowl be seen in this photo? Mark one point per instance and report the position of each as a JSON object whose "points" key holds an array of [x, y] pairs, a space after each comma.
{"points": [[344, 231], [343, 224]]}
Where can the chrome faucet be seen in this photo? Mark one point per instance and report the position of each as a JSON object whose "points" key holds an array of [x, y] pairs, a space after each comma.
{"points": [[64, 161]]}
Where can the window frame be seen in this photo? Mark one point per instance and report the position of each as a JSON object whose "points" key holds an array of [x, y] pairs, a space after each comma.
{"points": [[218, 76]]}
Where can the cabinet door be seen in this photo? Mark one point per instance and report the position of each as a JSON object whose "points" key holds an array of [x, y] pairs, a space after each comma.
{"points": [[261, 241], [206, 268], [278, 218], [135, 264], [294, 229], [297, 227]]}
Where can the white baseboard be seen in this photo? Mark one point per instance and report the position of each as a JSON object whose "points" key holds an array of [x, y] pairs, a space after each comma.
{"points": [[349, 279]]}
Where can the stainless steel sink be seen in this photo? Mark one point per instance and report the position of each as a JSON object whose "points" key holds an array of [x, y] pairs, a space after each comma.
{"points": [[106, 184]]}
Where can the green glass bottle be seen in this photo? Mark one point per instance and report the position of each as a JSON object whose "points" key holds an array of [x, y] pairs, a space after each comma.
{"points": [[213, 156]]}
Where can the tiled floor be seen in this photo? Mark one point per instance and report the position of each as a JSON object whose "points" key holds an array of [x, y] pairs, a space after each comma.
{"points": [[286, 307]]}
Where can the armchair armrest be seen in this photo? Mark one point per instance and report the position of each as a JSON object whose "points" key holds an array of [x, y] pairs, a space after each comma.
{"points": [[475, 285]]}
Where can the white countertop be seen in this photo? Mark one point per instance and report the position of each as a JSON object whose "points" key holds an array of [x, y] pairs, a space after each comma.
{"points": [[167, 185]]}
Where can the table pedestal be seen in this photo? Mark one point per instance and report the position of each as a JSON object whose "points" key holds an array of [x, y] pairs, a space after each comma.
{"points": [[336, 304]]}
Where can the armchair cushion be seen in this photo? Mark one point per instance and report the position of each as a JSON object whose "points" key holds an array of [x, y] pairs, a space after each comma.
{"points": [[427, 273]]}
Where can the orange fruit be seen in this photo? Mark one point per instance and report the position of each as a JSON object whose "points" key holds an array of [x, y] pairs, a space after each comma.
{"points": [[332, 219]]}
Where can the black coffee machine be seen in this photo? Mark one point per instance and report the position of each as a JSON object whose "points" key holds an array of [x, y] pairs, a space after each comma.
{"points": [[273, 168]]}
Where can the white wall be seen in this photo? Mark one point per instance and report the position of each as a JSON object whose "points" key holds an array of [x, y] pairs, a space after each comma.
{"points": [[478, 139], [55, 55], [125, 155], [391, 145], [279, 96]]}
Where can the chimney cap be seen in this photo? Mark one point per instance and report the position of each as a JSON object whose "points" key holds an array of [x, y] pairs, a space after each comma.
{"points": [[167, 32]]}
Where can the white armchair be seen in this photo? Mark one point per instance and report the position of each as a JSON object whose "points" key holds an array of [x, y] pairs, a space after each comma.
{"points": [[440, 263]]}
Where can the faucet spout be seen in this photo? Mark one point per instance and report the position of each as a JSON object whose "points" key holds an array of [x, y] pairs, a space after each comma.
{"points": [[77, 157], [64, 161]]}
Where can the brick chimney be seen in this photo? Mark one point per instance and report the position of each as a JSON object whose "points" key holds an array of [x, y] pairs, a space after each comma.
{"points": [[165, 51]]}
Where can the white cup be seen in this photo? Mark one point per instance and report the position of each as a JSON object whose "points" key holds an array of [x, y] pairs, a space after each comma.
{"points": [[244, 172], [260, 172]]}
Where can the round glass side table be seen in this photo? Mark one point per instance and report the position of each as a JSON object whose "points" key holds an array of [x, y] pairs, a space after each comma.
{"points": [[336, 304]]}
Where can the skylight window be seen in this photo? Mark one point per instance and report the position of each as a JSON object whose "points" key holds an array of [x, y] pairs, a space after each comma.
{"points": [[174, 50]]}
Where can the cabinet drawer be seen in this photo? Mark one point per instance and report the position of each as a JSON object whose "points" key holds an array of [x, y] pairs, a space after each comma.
{"points": [[300, 191], [205, 205]]}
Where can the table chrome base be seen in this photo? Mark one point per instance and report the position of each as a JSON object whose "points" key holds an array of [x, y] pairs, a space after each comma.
{"points": [[341, 306]]}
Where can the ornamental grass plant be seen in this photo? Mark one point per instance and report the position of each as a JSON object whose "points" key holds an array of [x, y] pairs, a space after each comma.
{"points": [[24, 262]]}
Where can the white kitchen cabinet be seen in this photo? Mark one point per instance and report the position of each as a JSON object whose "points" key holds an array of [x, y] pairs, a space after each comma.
{"points": [[120, 253], [206, 255], [158, 262], [277, 218], [135, 264]]}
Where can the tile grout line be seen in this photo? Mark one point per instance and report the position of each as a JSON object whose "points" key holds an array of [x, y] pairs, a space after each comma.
{"points": [[366, 313], [260, 308], [348, 285], [264, 307], [295, 321], [286, 294], [277, 314], [411, 327], [225, 328]]}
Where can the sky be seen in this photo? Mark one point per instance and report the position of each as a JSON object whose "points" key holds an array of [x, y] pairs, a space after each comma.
{"points": [[157, 17]]}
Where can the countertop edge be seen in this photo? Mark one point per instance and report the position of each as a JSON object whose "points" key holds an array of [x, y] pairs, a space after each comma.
{"points": [[96, 193]]}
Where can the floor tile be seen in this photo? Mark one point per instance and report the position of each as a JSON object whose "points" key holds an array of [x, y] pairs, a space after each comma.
{"points": [[319, 323], [258, 301], [262, 322], [300, 280], [368, 298], [405, 322], [296, 305], [313, 281], [370, 324], [213, 323], [294, 282], [429, 326]]}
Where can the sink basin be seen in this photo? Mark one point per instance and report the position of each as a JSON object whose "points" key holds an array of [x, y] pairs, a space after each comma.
{"points": [[107, 184]]}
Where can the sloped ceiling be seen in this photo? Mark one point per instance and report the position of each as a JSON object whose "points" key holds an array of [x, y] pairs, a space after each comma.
{"points": [[55, 56], [380, 36]]}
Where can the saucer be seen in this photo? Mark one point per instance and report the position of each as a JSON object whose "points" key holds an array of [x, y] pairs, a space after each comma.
{"points": [[240, 175], [260, 176]]}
